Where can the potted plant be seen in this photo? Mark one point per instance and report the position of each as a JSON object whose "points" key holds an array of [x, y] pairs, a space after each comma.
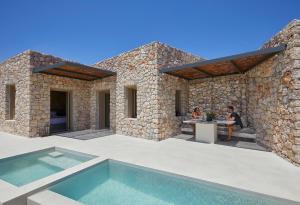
{"points": [[210, 116]]}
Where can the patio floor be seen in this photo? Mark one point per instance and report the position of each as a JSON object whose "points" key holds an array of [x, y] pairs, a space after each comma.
{"points": [[247, 169], [235, 142], [87, 134]]}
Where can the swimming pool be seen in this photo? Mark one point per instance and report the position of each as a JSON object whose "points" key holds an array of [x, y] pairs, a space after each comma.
{"points": [[23, 169], [112, 182]]}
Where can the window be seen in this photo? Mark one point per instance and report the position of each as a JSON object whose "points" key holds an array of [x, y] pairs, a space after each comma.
{"points": [[178, 103], [131, 102], [11, 101]]}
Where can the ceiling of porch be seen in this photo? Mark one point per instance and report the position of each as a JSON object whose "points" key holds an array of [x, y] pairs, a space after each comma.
{"points": [[229, 65], [74, 70]]}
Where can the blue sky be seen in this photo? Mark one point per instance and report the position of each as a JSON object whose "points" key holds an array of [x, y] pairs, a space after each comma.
{"points": [[88, 31]]}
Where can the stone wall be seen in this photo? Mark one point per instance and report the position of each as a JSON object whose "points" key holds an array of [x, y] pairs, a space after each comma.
{"points": [[40, 87], [216, 94], [169, 123], [274, 96], [16, 70], [105, 84], [267, 96], [136, 68], [155, 92]]}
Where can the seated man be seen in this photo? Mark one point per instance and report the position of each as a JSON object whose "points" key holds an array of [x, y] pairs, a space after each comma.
{"points": [[233, 116]]}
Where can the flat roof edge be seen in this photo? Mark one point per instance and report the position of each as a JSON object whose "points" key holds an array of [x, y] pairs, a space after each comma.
{"points": [[66, 63], [226, 58]]}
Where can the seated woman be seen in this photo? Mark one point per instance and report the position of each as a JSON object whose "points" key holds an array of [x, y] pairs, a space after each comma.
{"points": [[233, 116], [196, 114]]}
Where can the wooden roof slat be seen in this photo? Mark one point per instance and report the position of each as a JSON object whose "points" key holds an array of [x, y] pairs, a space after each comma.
{"points": [[240, 70], [229, 65], [203, 71], [68, 75], [74, 70]]}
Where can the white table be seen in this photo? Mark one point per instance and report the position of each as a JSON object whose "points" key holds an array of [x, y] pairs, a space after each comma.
{"points": [[225, 122], [207, 131]]}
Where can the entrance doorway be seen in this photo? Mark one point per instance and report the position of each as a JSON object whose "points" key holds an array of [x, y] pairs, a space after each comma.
{"points": [[59, 111], [104, 110]]}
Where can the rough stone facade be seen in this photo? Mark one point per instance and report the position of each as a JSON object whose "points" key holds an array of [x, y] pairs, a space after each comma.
{"points": [[169, 123], [215, 94], [106, 84], [16, 71], [274, 97], [155, 92], [40, 87], [267, 97]]}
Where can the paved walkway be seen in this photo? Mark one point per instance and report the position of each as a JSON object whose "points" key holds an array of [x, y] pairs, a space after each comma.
{"points": [[252, 170], [87, 134]]}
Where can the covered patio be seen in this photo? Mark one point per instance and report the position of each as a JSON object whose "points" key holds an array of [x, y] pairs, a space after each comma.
{"points": [[234, 68], [229, 65]]}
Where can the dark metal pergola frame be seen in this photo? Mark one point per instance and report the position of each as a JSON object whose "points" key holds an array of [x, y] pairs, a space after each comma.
{"points": [[58, 67], [267, 52]]}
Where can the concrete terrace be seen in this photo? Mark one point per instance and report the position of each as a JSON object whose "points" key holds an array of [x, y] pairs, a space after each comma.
{"points": [[257, 171]]}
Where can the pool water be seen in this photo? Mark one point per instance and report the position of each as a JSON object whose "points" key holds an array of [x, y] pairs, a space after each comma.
{"points": [[117, 183], [26, 168]]}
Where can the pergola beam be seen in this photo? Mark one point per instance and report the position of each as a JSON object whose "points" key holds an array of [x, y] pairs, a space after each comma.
{"points": [[203, 71], [240, 70], [77, 73]]}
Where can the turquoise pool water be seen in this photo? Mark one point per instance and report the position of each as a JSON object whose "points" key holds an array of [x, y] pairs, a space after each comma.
{"points": [[23, 169], [116, 183]]}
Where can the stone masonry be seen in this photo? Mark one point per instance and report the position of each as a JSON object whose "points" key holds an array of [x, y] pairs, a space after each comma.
{"points": [[40, 87], [274, 97], [155, 92], [16, 70], [267, 97]]}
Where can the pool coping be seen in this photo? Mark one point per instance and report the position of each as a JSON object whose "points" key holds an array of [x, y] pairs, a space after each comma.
{"points": [[166, 173], [44, 183], [48, 197], [18, 195]]}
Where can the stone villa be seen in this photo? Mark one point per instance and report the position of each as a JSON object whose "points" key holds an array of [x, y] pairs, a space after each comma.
{"points": [[146, 92]]}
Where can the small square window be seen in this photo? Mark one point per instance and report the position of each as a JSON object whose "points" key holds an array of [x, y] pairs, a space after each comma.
{"points": [[10, 102], [131, 102], [178, 103]]}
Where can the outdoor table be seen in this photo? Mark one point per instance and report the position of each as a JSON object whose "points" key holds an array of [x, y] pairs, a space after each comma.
{"points": [[207, 131], [219, 122], [225, 122]]}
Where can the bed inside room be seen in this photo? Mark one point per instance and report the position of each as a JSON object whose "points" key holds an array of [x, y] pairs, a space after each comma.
{"points": [[58, 111]]}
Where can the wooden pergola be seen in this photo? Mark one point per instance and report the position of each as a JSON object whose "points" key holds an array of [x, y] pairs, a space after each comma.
{"points": [[74, 70], [229, 65]]}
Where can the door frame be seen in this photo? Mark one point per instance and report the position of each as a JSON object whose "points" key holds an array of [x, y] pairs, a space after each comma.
{"points": [[69, 108], [102, 111]]}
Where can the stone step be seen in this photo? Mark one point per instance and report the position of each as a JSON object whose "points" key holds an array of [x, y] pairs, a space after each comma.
{"points": [[239, 134], [245, 133], [187, 130]]}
